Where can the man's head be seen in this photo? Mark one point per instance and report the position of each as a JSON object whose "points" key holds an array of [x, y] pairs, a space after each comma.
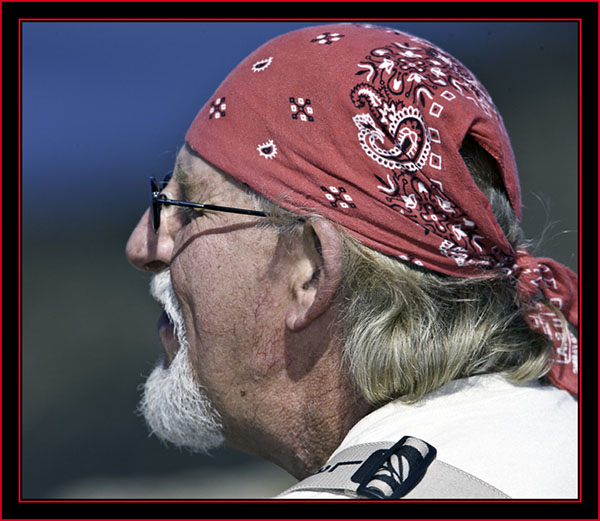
{"points": [[387, 262], [257, 307]]}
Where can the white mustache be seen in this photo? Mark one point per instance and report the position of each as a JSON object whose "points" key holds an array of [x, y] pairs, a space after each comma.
{"points": [[161, 289]]}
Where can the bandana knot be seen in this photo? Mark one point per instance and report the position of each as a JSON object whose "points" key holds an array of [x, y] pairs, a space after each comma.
{"points": [[544, 286], [532, 277]]}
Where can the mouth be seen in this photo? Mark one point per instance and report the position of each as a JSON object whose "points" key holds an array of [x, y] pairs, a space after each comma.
{"points": [[168, 338]]}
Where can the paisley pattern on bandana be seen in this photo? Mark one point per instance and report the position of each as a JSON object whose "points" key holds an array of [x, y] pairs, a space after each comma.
{"points": [[423, 201], [404, 127], [418, 72], [261, 65], [267, 150], [403, 80]]}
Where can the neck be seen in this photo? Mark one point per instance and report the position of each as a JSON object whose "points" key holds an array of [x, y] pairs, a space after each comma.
{"points": [[326, 425], [300, 427], [302, 404]]}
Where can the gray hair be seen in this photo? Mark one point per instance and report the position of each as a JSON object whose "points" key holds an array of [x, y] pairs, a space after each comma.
{"points": [[407, 331]]}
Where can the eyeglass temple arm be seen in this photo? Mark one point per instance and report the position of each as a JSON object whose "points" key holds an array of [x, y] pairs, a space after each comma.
{"points": [[211, 207]]}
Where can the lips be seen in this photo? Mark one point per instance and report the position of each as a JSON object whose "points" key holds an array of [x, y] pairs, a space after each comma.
{"points": [[167, 336]]}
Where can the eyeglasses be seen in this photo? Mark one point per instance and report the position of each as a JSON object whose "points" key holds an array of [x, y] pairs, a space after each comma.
{"points": [[157, 199]]}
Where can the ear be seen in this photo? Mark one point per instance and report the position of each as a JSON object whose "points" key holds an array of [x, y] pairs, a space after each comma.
{"points": [[317, 273]]}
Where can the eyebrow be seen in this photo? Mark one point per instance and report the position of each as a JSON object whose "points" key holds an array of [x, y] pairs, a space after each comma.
{"points": [[181, 177]]}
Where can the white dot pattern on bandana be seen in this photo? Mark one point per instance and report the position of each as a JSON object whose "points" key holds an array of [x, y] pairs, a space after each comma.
{"points": [[301, 109], [327, 38], [338, 197], [218, 108]]}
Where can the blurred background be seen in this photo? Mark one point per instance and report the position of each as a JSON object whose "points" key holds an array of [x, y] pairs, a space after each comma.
{"points": [[105, 105]]}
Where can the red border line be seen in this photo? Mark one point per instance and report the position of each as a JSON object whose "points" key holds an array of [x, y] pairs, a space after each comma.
{"points": [[324, 20], [66, 19]]}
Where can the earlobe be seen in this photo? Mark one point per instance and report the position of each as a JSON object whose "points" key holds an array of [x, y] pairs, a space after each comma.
{"points": [[320, 276]]}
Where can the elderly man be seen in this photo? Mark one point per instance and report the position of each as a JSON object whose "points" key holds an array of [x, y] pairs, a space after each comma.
{"points": [[345, 287]]}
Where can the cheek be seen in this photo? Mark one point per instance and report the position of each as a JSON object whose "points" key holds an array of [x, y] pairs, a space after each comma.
{"points": [[224, 283], [232, 304], [210, 289]]}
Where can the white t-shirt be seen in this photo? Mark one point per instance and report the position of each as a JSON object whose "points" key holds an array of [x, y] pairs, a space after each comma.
{"points": [[521, 439]]}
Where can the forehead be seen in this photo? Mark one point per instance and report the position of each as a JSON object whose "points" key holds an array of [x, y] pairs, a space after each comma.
{"points": [[199, 181], [191, 174]]}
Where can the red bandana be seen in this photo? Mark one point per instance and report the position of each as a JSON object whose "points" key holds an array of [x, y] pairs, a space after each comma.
{"points": [[363, 125]]}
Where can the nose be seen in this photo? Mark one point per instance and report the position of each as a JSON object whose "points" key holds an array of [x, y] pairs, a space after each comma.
{"points": [[148, 250]]}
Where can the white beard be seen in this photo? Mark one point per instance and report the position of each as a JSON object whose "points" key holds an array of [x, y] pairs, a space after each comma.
{"points": [[173, 404]]}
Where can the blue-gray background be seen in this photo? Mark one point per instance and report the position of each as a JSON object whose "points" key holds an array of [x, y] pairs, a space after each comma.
{"points": [[105, 105]]}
